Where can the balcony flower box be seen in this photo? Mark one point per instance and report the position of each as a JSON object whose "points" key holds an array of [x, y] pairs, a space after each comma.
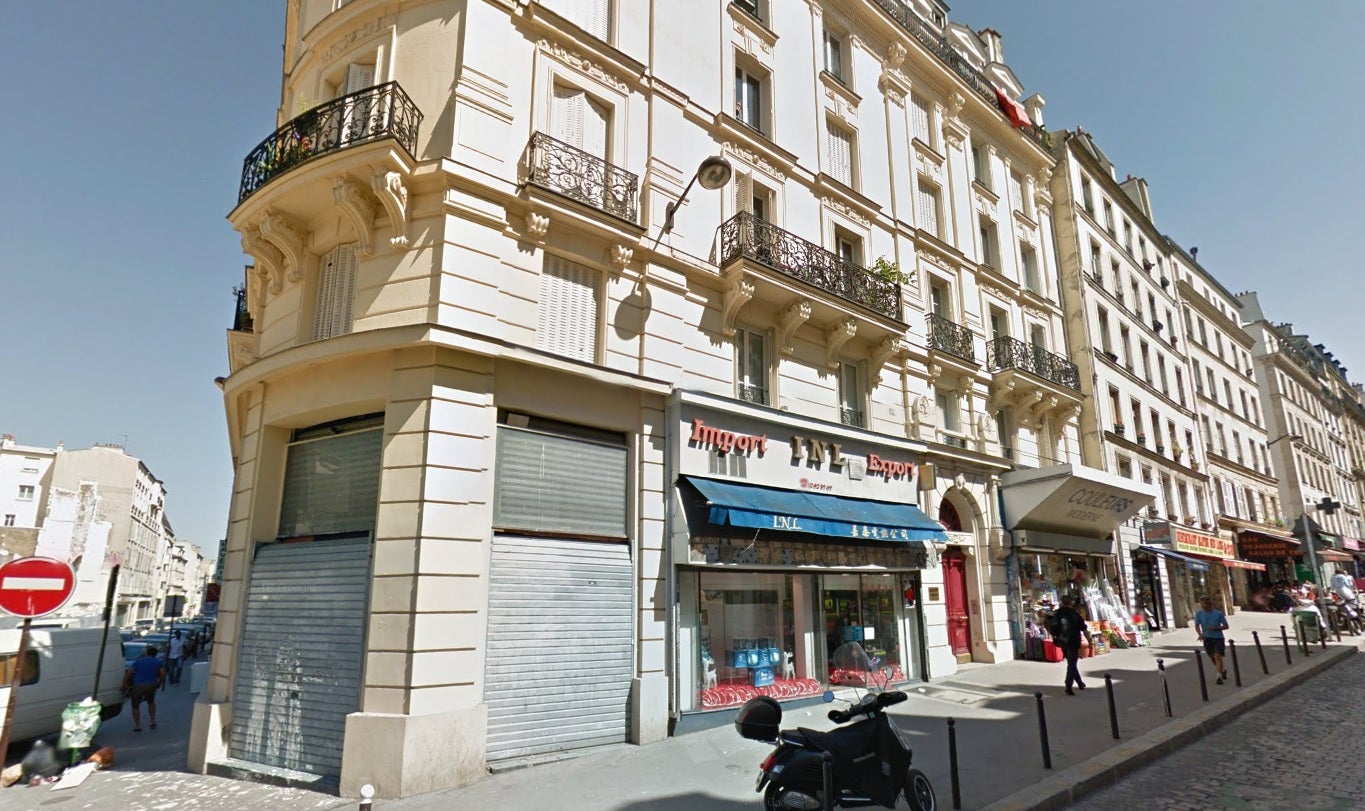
{"points": [[1118, 428], [1142, 439], [1160, 448]]}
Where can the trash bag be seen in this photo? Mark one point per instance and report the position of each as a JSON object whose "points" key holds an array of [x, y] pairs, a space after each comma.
{"points": [[80, 722], [41, 761]]}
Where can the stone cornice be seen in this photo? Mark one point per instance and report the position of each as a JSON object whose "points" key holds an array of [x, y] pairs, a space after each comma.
{"points": [[1234, 330]]}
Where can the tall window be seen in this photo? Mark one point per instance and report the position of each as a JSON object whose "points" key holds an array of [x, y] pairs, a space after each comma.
{"points": [[1108, 218], [751, 379], [593, 16], [851, 396], [335, 294], [939, 304], [990, 243], [848, 246], [834, 56], [928, 208], [25, 492], [1017, 192], [1087, 197], [949, 412], [568, 318], [581, 121], [1102, 319], [839, 153], [1000, 325], [919, 121], [749, 98], [981, 166], [1095, 268], [1029, 259]]}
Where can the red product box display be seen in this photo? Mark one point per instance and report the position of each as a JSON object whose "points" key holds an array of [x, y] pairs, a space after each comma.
{"points": [[1051, 653]]}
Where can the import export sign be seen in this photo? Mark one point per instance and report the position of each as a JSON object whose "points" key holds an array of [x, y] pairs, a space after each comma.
{"points": [[1198, 543], [34, 587]]}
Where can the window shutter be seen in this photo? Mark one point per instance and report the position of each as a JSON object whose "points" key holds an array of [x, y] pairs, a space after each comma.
{"points": [[553, 483], [568, 309], [597, 18], [839, 147], [919, 119], [596, 120], [567, 116], [359, 77], [1016, 191], [332, 484], [744, 194], [336, 293], [927, 201]]}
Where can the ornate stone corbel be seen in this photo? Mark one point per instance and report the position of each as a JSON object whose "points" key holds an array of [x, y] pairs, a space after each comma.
{"points": [[269, 261], [351, 200], [537, 226], [835, 340], [1027, 406], [283, 234], [964, 385], [933, 371], [792, 319], [393, 195], [881, 353], [895, 55], [620, 256], [1001, 395], [737, 294]]}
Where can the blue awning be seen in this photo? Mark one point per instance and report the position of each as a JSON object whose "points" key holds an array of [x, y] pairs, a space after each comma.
{"points": [[1194, 563], [749, 505]]}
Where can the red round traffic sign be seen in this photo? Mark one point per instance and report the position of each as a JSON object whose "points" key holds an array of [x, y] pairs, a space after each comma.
{"points": [[34, 587]]}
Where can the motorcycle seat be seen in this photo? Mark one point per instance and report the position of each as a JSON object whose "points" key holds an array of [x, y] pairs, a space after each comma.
{"points": [[796, 737]]}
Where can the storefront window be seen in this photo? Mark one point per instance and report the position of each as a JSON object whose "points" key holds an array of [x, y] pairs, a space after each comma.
{"points": [[751, 633], [863, 609], [1092, 583]]}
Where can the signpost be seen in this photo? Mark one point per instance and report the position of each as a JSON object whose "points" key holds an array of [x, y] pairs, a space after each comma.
{"points": [[30, 587]]}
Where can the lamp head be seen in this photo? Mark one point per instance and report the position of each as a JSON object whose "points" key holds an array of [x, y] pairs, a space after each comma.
{"points": [[714, 173]]}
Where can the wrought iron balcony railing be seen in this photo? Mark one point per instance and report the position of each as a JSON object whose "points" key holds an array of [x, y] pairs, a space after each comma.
{"points": [[1011, 353], [955, 339], [852, 416], [941, 48], [382, 111], [241, 319], [750, 393], [747, 236], [564, 169]]}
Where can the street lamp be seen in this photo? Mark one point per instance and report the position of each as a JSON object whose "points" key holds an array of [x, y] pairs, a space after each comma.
{"points": [[1290, 437], [713, 173]]}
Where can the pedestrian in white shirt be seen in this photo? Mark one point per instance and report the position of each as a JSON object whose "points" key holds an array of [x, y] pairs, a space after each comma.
{"points": [[175, 656]]}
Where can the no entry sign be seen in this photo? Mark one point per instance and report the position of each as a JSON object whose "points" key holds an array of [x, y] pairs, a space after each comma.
{"points": [[34, 587]]}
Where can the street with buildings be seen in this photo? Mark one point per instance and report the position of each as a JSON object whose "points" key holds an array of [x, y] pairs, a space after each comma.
{"points": [[596, 372]]}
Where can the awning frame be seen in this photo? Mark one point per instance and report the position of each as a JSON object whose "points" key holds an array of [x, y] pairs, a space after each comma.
{"points": [[1194, 563]]}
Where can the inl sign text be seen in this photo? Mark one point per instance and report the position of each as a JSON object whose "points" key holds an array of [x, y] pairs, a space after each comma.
{"points": [[725, 441], [787, 522]]}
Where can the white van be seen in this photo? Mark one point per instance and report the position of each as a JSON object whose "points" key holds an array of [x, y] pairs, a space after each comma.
{"points": [[59, 668]]}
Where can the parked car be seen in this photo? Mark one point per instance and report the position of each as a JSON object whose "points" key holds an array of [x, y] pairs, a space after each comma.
{"points": [[58, 669]]}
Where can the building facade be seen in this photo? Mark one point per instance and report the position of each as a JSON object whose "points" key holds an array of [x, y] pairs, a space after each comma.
{"points": [[1313, 415], [1244, 490], [539, 408], [25, 478]]}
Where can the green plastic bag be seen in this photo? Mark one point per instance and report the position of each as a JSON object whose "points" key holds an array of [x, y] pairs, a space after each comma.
{"points": [[80, 722]]}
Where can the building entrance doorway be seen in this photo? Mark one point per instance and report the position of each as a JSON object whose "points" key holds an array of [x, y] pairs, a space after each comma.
{"points": [[955, 598]]}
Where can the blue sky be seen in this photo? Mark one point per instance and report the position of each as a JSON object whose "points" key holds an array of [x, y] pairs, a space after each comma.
{"points": [[129, 122]]}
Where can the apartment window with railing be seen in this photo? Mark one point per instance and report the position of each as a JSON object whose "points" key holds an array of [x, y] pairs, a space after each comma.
{"points": [[851, 396], [1095, 268], [1102, 323], [755, 8], [1000, 325], [839, 154], [10, 518], [1029, 259], [580, 121], [751, 361], [990, 242], [1108, 218], [928, 207], [751, 97], [1126, 344], [1115, 407], [848, 246], [1179, 386], [1145, 354]]}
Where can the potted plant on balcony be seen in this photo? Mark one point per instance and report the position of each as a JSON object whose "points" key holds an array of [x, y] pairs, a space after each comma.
{"points": [[888, 271], [1177, 451], [1160, 448], [1142, 439], [1118, 428], [1194, 465]]}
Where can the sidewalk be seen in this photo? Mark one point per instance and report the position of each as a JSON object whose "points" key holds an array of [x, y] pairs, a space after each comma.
{"points": [[1000, 760]]}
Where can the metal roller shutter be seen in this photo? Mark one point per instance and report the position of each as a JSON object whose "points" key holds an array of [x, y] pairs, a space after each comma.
{"points": [[560, 646], [302, 645]]}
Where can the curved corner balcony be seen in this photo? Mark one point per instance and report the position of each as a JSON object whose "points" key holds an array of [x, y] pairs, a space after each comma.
{"points": [[1005, 353], [372, 114], [745, 236]]}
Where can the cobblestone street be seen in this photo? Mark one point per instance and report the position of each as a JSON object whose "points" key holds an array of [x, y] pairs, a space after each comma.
{"points": [[1297, 751]]}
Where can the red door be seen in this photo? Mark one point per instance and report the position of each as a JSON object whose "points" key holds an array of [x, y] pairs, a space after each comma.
{"points": [[955, 596]]}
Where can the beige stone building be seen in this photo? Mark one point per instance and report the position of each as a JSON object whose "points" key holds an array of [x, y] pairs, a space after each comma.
{"points": [[602, 363]]}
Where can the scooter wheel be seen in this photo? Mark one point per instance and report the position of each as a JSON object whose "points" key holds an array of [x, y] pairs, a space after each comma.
{"points": [[774, 798], [918, 792]]}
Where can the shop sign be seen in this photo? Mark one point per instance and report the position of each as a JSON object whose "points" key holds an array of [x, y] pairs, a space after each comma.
{"points": [[1350, 544], [1267, 548], [708, 436], [1200, 544], [816, 451]]}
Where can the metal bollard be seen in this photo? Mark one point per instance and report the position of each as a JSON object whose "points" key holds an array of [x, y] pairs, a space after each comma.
{"points": [[1113, 710], [952, 763], [366, 797], [1284, 637], [1322, 636], [1203, 684], [1236, 668], [1260, 652], [1337, 628], [1165, 687], [827, 768], [1042, 731]]}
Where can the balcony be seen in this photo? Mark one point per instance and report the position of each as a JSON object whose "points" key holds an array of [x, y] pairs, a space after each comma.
{"points": [[372, 114], [943, 50], [852, 416], [565, 169], [745, 236], [946, 336], [241, 320], [1011, 353]]}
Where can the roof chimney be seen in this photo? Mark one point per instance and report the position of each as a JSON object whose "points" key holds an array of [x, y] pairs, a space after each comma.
{"points": [[994, 50], [1194, 253]]}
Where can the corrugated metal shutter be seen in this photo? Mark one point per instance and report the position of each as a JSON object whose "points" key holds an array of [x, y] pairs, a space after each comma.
{"points": [[553, 483], [331, 485], [560, 646], [301, 649], [567, 323]]}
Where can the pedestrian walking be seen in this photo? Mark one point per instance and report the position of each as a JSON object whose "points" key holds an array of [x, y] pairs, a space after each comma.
{"points": [[175, 656], [141, 681], [1068, 627], [1210, 623]]}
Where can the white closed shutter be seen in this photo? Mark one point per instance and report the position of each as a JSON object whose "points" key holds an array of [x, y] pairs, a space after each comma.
{"points": [[839, 154], [597, 18], [926, 207], [596, 126], [336, 293], [567, 323], [744, 194], [919, 119], [359, 77]]}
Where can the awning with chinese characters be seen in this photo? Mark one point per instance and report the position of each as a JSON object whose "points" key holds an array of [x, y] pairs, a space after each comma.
{"points": [[749, 505]]}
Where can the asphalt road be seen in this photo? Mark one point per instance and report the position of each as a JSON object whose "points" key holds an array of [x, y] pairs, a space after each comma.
{"points": [[1299, 751]]}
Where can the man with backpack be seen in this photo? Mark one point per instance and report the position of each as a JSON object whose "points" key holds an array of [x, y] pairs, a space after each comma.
{"points": [[1067, 629]]}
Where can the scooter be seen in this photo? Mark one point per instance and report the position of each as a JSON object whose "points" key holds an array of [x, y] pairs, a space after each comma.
{"points": [[863, 765]]}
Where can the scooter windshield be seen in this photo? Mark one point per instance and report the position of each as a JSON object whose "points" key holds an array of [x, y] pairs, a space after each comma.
{"points": [[850, 665]]}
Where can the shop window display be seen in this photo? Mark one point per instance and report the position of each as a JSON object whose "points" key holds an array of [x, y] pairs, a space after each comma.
{"points": [[748, 638], [863, 609], [1046, 579]]}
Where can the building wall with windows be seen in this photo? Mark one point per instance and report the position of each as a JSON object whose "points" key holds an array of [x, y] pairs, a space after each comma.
{"points": [[458, 234], [25, 473]]}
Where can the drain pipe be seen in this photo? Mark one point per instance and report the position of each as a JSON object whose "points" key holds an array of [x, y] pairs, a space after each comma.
{"points": [[672, 415]]}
